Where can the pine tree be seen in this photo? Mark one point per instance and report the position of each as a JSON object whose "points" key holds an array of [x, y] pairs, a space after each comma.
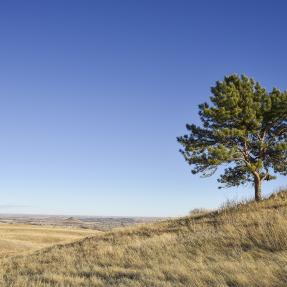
{"points": [[244, 128]]}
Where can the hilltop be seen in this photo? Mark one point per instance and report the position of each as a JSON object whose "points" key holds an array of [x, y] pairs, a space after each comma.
{"points": [[239, 245]]}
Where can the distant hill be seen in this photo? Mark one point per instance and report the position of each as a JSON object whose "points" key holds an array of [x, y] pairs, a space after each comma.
{"points": [[240, 245], [72, 220], [102, 223]]}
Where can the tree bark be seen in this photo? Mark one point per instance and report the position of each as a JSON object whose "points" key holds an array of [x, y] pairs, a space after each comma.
{"points": [[257, 186]]}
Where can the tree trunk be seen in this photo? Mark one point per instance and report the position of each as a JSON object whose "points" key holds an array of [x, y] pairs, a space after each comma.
{"points": [[257, 185]]}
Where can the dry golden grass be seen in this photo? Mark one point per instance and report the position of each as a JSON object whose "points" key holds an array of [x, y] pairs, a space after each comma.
{"points": [[18, 239], [244, 245]]}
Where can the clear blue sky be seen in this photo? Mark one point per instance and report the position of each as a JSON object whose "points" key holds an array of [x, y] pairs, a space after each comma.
{"points": [[94, 93]]}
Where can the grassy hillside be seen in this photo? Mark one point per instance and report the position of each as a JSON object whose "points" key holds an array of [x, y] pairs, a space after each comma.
{"points": [[244, 245], [17, 239]]}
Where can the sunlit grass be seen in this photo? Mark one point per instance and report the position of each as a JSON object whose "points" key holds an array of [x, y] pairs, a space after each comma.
{"points": [[16, 239], [238, 245]]}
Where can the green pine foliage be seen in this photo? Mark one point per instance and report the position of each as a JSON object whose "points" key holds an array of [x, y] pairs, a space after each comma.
{"points": [[244, 128]]}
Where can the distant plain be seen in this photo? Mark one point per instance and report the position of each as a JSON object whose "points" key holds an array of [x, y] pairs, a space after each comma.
{"points": [[20, 234]]}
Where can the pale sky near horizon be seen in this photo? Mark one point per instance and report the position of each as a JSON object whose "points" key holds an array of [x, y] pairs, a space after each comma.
{"points": [[94, 93]]}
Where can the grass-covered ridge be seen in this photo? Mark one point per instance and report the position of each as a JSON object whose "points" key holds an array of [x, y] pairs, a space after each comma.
{"points": [[243, 245]]}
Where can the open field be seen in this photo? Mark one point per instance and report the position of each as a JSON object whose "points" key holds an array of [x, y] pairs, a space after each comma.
{"points": [[26, 233], [17, 239], [242, 245]]}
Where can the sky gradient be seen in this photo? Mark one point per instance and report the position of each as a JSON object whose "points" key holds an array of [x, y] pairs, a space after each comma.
{"points": [[94, 93]]}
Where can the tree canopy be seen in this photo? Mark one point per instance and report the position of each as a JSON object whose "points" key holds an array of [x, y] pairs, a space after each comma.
{"points": [[244, 128]]}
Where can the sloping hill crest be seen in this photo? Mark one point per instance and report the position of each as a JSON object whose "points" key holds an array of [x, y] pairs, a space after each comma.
{"points": [[239, 245]]}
